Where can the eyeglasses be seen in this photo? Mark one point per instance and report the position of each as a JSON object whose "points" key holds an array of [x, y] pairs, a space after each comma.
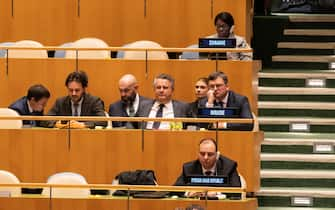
{"points": [[216, 86]]}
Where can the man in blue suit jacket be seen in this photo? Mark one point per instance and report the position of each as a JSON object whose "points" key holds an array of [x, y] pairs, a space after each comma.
{"points": [[130, 104], [219, 95], [32, 104]]}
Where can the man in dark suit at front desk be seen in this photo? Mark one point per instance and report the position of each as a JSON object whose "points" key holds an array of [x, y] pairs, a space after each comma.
{"points": [[219, 95], [32, 104], [209, 163], [163, 105], [130, 104], [77, 103]]}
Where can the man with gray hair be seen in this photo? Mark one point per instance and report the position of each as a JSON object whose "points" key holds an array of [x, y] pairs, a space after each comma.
{"points": [[163, 106]]}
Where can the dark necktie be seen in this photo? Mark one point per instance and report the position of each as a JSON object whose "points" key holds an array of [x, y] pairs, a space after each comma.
{"points": [[219, 104], [208, 173], [131, 110], [158, 114], [75, 112]]}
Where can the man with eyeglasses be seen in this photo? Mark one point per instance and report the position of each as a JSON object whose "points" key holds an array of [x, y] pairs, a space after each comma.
{"points": [[130, 102], [224, 23], [220, 95]]}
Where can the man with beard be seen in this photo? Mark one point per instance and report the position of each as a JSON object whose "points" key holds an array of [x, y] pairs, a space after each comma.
{"points": [[130, 102], [77, 103]]}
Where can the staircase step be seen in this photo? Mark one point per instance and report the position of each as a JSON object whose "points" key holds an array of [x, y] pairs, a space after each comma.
{"points": [[297, 191], [290, 208], [306, 45], [290, 138], [310, 32], [294, 74], [288, 120], [296, 105], [323, 158], [304, 58], [296, 97], [312, 18], [295, 91], [282, 197], [300, 174], [294, 165]]}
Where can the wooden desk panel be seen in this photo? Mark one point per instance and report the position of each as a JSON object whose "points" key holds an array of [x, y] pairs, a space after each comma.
{"points": [[120, 204], [105, 74], [99, 155]]}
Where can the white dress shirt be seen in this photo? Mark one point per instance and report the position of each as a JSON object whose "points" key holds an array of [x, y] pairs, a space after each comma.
{"points": [[167, 113]]}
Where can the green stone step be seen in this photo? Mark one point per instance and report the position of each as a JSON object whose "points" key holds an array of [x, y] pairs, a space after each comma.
{"points": [[285, 128], [291, 208], [295, 91], [296, 112], [298, 65], [307, 52], [295, 73], [306, 138], [295, 97], [281, 202], [297, 191], [298, 105], [296, 165], [297, 82], [298, 182], [300, 149], [308, 45]]}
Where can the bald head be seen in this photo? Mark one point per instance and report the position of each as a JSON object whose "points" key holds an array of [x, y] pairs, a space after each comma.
{"points": [[128, 79], [128, 88]]}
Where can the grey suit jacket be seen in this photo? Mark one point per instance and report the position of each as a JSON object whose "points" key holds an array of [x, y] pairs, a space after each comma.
{"points": [[119, 109], [180, 109], [91, 106]]}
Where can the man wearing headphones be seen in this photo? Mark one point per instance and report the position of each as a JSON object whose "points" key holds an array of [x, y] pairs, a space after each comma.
{"points": [[224, 24], [209, 163]]}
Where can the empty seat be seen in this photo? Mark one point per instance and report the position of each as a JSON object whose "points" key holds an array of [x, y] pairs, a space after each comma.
{"points": [[89, 54], [7, 177], [4, 52], [9, 124], [27, 53], [189, 54], [142, 54], [61, 53], [67, 178]]}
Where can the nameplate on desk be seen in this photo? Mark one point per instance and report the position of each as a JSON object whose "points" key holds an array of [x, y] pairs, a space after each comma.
{"points": [[207, 181], [217, 43], [214, 112]]}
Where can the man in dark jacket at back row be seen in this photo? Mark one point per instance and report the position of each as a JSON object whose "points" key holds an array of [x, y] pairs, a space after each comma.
{"points": [[32, 104]]}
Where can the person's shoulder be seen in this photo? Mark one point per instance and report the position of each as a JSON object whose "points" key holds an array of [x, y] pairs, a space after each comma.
{"points": [[191, 164], [227, 161], [236, 95], [19, 102]]}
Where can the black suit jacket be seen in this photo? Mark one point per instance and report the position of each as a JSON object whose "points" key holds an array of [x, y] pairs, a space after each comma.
{"points": [[224, 167], [180, 109], [91, 106], [21, 107], [234, 100], [119, 109]]}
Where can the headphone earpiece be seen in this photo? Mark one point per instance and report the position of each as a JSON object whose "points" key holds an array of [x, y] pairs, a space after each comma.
{"points": [[231, 30], [217, 155]]}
